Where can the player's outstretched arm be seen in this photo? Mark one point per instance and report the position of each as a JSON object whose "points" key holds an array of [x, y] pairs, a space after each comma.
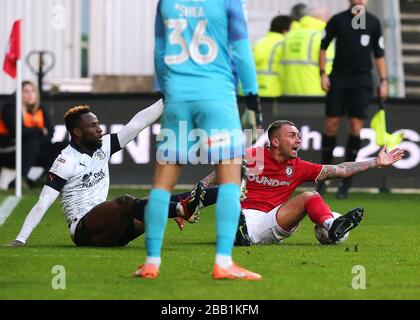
{"points": [[46, 199], [348, 169], [141, 120]]}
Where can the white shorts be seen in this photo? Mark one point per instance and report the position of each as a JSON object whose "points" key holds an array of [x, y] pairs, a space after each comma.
{"points": [[263, 228]]}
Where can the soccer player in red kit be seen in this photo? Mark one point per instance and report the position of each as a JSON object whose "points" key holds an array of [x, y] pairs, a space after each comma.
{"points": [[273, 173]]}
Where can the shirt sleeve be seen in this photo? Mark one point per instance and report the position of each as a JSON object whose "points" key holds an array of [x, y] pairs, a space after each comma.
{"points": [[378, 42], [329, 34], [63, 167], [115, 144], [140, 121], [107, 145], [241, 47], [159, 52], [46, 199], [55, 182], [310, 170]]}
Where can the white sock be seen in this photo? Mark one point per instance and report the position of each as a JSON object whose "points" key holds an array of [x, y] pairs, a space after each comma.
{"points": [[153, 260], [328, 223], [223, 261]]}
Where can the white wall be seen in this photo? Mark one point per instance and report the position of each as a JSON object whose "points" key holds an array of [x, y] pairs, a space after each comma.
{"points": [[121, 37], [46, 25], [389, 11]]}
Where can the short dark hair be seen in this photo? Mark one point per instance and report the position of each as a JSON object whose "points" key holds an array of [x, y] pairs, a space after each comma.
{"points": [[277, 125], [72, 116], [298, 11], [280, 24]]}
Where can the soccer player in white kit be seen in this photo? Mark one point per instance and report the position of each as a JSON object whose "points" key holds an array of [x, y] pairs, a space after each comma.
{"points": [[80, 177]]}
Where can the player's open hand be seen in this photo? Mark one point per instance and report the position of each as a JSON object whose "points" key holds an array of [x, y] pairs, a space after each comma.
{"points": [[387, 158]]}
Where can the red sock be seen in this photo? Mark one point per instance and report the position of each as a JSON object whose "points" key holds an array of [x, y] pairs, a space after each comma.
{"points": [[317, 210]]}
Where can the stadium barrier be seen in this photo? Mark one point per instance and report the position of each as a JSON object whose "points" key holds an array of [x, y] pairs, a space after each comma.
{"points": [[135, 164]]}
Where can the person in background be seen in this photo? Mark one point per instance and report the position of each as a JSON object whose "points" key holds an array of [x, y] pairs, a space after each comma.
{"points": [[301, 53], [37, 132], [349, 87], [268, 54], [298, 11]]}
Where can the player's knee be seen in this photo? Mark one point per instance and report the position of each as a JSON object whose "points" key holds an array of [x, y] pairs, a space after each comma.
{"points": [[125, 200], [309, 194]]}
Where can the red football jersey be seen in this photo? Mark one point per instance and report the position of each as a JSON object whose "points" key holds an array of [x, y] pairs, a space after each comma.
{"points": [[271, 183]]}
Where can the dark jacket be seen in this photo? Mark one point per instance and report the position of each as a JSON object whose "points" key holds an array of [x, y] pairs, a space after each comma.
{"points": [[8, 116]]}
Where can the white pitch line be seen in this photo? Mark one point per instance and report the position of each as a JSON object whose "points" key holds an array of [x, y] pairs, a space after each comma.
{"points": [[64, 256], [7, 207]]}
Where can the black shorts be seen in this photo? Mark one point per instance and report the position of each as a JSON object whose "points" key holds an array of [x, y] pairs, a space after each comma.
{"points": [[349, 96], [82, 238], [82, 235]]}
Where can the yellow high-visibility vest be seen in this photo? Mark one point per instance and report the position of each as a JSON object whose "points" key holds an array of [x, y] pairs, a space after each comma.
{"points": [[295, 25], [267, 56], [300, 68]]}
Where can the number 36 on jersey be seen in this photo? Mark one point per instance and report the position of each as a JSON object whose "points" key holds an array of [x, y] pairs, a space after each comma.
{"points": [[199, 40]]}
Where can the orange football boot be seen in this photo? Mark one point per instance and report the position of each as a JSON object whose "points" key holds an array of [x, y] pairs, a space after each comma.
{"points": [[148, 271], [234, 272]]}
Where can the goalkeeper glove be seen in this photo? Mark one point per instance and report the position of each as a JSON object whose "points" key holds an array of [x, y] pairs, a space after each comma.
{"points": [[253, 104], [244, 179]]}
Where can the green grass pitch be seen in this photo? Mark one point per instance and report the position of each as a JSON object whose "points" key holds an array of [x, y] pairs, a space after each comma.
{"points": [[386, 244]]}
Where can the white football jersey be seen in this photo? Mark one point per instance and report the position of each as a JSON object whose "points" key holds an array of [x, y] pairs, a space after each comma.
{"points": [[87, 180]]}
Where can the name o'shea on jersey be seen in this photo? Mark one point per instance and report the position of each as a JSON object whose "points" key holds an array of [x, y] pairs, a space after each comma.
{"points": [[190, 12]]}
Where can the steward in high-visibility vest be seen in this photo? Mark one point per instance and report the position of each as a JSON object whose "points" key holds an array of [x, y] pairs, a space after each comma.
{"points": [[300, 57], [297, 12], [267, 56], [295, 25]]}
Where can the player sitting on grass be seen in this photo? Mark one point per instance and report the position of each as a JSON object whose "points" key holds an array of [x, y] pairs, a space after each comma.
{"points": [[80, 176], [269, 214]]}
